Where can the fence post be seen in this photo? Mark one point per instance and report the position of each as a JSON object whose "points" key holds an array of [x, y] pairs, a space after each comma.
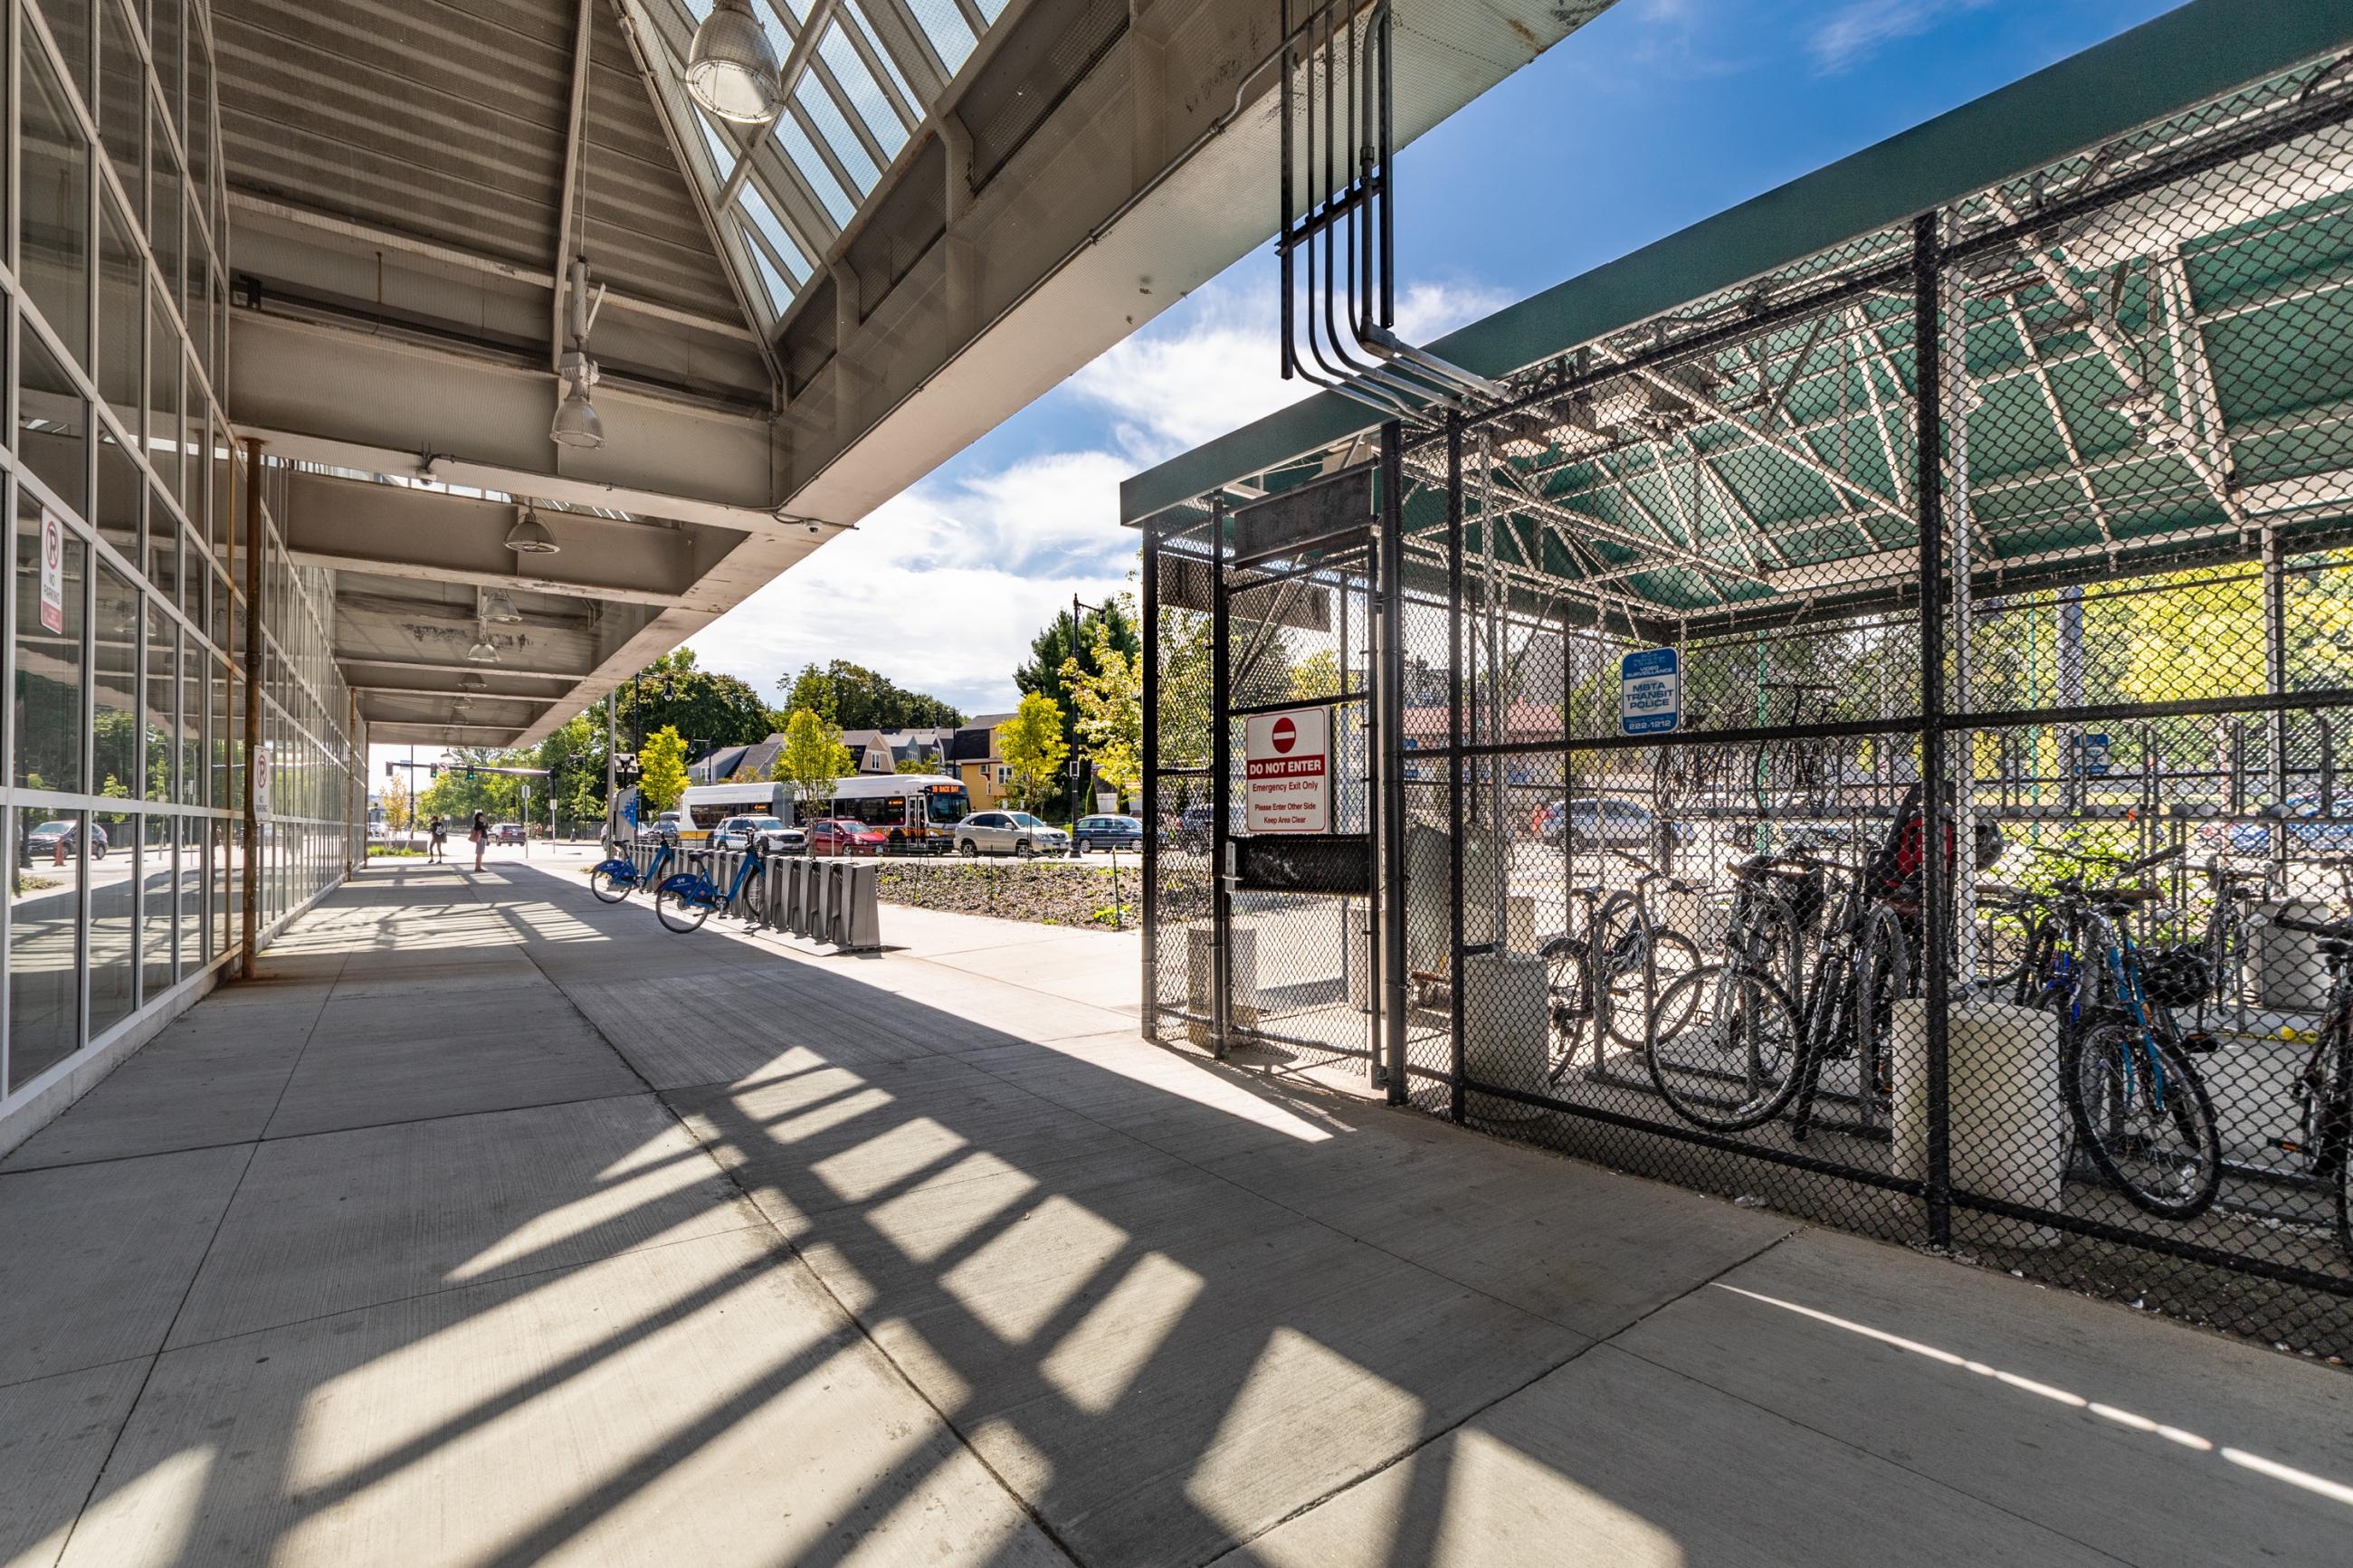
{"points": [[1150, 901], [1221, 911], [1459, 980], [1927, 339], [1391, 710]]}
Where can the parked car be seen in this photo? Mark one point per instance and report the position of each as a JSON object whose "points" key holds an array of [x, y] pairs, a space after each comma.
{"points": [[2300, 814], [1618, 823], [1109, 833], [1008, 833], [42, 842], [840, 836], [507, 833], [665, 828], [1193, 827], [773, 836]]}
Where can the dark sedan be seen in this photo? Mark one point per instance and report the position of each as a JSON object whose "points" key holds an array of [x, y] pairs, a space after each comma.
{"points": [[51, 839], [1108, 833]]}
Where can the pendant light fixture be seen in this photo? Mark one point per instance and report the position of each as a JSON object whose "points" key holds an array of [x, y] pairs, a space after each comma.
{"points": [[731, 69]]}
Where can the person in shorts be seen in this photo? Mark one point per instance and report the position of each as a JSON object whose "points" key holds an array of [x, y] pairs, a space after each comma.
{"points": [[481, 834], [436, 840]]}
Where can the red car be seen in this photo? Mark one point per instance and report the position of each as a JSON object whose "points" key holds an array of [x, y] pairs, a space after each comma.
{"points": [[838, 836]]}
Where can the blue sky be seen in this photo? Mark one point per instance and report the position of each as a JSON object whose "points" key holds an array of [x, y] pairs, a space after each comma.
{"points": [[1655, 116]]}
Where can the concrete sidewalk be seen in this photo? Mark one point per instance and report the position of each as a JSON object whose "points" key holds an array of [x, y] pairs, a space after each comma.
{"points": [[499, 1226]]}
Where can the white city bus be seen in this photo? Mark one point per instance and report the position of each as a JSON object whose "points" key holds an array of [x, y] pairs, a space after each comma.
{"points": [[705, 806], [919, 811]]}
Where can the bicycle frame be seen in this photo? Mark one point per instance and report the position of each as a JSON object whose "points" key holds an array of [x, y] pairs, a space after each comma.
{"points": [[623, 872]]}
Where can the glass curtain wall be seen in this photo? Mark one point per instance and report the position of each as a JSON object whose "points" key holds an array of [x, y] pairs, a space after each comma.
{"points": [[126, 769]]}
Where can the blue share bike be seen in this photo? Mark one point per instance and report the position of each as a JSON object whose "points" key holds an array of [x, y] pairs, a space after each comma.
{"points": [[684, 901], [615, 880]]}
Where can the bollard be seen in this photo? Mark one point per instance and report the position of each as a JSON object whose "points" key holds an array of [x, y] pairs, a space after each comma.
{"points": [[860, 927]]}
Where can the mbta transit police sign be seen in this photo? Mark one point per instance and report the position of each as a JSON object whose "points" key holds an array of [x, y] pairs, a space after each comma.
{"points": [[1287, 770], [1650, 692]]}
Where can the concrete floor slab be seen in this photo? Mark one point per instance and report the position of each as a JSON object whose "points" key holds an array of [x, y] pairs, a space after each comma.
{"points": [[99, 1256], [342, 1220], [190, 1088], [2068, 1412], [1613, 1463], [396, 1073], [54, 1434], [699, 1404]]}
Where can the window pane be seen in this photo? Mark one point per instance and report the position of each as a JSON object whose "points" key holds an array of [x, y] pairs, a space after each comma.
{"points": [[898, 78], [115, 749], [113, 875], [68, 23], [159, 889], [164, 33], [163, 402], [194, 947], [122, 487], [160, 738], [53, 423], [771, 229], [120, 310], [166, 212], [43, 943], [163, 549], [55, 242], [192, 723], [122, 101], [813, 170], [48, 654], [835, 128], [944, 25], [865, 96]]}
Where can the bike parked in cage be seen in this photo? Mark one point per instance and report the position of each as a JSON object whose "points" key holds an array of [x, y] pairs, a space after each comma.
{"points": [[682, 902], [2229, 921], [2139, 1105], [2323, 1088], [1604, 973], [1733, 1048], [615, 878]]}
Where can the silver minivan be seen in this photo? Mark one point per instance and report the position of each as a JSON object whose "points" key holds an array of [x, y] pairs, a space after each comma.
{"points": [[1008, 833]]}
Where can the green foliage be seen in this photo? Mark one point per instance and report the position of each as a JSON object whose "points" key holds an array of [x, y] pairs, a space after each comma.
{"points": [[1033, 744], [456, 795], [705, 707], [852, 696], [1315, 677], [811, 757], [1106, 691], [661, 778], [1062, 643], [574, 757], [917, 766]]}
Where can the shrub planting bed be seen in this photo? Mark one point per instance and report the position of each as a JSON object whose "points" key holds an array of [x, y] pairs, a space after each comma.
{"points": [[1049, 893]]}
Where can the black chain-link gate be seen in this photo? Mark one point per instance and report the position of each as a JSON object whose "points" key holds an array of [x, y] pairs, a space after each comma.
{"points": [[1869, 742]]}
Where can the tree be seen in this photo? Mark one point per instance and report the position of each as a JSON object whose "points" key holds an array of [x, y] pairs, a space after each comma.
{"points": [[661, 776], [1109, 703], [574, 757], [702, 705], [1063, 641], [464, 788], [1316, 676], [1032, 745], [397, 803], [852, 696], [916, 765], [811, 758]]}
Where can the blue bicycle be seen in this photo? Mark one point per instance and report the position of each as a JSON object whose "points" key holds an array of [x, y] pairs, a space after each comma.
{"points": [[683, 901], [615, 880]]}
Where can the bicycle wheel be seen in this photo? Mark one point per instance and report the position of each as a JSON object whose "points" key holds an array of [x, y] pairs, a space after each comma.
{"points": [[1673, 955], [2152, 1133], [608, 887], [679, 909], [2006, 942], [1568, 1004], [1730, 1064]]}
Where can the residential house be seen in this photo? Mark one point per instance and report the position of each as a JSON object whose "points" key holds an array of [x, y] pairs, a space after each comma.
{"points": [[979, 760], [881, 751]]}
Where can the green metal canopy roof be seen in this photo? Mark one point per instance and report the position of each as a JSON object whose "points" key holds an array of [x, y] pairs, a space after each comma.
{"points": [[2148, 253]]}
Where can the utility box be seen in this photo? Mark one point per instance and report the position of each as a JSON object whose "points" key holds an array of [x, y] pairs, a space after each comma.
{"points": [[2290, 974], [1200, 980], [1501, 992]]}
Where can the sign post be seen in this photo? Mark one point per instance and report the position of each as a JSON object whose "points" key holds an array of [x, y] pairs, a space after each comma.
{"points": [[1287, 771], [1650, 692]]}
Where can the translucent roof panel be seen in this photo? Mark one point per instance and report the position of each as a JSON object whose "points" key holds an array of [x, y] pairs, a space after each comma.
{"points": [[840, 139], [944, 25], [898, 78], [762, 218], [865, 95], [838, 202]]}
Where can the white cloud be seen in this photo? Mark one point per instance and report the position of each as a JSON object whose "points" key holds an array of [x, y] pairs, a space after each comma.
{"points": [[1854, 32], [942, 588]]}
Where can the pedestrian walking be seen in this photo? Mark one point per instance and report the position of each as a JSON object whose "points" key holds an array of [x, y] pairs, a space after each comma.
{"points": [[437, 841], [481, 837]]}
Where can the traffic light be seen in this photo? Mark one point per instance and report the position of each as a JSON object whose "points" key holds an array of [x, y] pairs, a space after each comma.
{"points": [[433, 770]]}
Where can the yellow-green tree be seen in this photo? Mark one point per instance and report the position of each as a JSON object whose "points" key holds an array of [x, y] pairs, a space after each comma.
{"points": [[1317, 675], [811, 758], [1110, 702], [661, 769], [396, 807], [1033, 746]]}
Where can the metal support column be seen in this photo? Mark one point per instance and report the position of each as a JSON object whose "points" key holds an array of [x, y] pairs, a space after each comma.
{"points": [[1151, 766], [2275, 686], [1221, 903], [1935, 914], [1454, 740], [1389, 709], [612, 772], [251, 923]]}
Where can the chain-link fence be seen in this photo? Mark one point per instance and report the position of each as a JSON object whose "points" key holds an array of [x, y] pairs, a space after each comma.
{"points": [[1870, 742]]}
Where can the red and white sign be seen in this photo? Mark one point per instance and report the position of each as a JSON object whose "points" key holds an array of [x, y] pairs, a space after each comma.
{"points": [[53, 570], [1287, 771]]}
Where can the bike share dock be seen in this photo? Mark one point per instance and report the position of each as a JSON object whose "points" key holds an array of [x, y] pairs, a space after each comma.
{"points": [[493, 1224], [1991, 488]]}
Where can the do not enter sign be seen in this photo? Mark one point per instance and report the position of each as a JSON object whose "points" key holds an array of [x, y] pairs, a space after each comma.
{"points": [[1287, 768]]}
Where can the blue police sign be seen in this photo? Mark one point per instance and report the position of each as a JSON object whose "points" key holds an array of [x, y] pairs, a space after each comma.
{"points": [[1649, 691]]}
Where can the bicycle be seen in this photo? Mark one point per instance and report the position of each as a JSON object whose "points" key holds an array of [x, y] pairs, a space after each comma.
{"points": [[683, 901], [1743, 1049], [615, 878], [2224, 945], [2324, 1089], [2139, 1104], [1620, 941]]}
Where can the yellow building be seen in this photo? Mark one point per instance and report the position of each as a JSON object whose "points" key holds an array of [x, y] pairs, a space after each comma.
{"points": [[980, 761]]}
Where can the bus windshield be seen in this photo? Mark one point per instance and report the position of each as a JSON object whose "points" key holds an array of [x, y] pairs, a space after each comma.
{"points": [[949, 803]]}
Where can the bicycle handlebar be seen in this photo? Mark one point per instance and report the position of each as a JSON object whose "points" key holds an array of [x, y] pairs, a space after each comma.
{"points": [[2336, 930]]}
